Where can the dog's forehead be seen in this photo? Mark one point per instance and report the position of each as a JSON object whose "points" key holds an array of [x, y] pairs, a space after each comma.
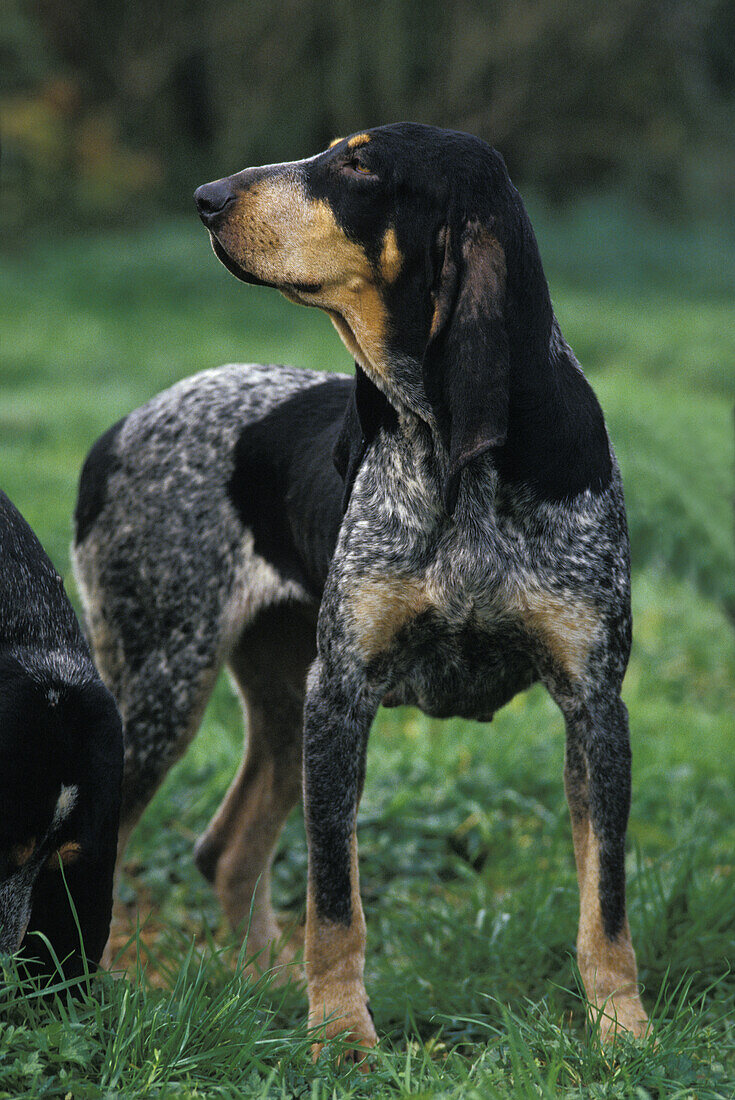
{"points": [[425, 166], [412, 139]]}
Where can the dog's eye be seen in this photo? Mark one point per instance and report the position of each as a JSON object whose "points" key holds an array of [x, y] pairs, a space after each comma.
{"points": [[355, 167]]}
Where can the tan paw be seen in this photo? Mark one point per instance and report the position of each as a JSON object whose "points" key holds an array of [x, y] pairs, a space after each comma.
{"points": [[344, 1011], [622, 1013]]}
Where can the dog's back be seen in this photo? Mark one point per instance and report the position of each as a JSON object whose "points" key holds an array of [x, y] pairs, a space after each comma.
{"points": [[212, 502]]}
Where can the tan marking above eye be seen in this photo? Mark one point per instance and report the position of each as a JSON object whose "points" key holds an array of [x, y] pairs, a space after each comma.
{"points": [[358, 140], [391, 257], [334, 141], [68, 853], [21, 853]]}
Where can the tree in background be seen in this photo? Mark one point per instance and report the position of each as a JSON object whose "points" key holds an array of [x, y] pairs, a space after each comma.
{"points": [[111, 109]]}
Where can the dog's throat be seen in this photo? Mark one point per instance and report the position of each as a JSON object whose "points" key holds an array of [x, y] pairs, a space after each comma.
{"points": [[350, 341]]}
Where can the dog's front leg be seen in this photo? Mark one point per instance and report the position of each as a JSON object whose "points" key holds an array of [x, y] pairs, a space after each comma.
{"points": [[597, 782], [338, 713]]}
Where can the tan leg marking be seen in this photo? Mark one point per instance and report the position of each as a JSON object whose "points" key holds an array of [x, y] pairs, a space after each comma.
{"points": [[248, 825], [608, 967], [568, 627], [380, 606], [335, 960], [269, 666]]}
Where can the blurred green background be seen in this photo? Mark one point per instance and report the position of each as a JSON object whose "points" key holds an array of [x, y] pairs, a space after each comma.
{"points": [[618, 126]]}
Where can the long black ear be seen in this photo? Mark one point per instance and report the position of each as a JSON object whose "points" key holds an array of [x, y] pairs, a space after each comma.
{"points": [[91, 832], [89, 883], [367, 410], [465, 365]]}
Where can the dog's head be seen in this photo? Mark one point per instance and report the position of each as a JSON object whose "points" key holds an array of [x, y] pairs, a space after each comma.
{"points": [[60, 778], [417, 245]]}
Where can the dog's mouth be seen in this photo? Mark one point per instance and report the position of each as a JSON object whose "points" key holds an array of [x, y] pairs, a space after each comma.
{"points": [[234, 268], [244, 276]]}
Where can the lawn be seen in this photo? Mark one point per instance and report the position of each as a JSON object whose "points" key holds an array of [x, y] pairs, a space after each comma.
{"points": [[467, 867]]}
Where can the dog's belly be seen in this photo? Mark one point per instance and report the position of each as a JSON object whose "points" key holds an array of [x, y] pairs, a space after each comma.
{"points": [[470, 674]]}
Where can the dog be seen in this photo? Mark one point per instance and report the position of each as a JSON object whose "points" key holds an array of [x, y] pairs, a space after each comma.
{"points": [[61, 774], [470, 542]]}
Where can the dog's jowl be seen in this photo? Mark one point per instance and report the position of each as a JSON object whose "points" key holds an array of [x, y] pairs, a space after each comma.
{"points": [[60, 767], [443, 530]]}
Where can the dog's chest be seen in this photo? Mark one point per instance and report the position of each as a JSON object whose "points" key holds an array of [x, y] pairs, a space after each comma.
{"points": [[467, 626], [470, 672]]}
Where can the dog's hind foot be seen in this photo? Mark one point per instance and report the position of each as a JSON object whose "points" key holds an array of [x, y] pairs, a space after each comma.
{"points": [[621, 1014]]}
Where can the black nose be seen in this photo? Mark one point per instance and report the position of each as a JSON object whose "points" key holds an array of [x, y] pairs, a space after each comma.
{"points": [[212, 198]]}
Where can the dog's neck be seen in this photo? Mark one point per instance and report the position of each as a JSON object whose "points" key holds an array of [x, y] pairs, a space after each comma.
{"points": [[557, 444]]}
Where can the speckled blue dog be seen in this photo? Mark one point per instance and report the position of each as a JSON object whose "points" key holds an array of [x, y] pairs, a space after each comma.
{"points": [[470, 542]]}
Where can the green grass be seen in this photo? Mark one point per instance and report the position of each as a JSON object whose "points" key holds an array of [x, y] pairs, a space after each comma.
{"points": [[466, 859]]}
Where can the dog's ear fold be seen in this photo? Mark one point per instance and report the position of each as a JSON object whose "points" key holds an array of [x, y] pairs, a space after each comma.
{"points": [[465, 366], [367, 410], [89, 884], [89, 831]]}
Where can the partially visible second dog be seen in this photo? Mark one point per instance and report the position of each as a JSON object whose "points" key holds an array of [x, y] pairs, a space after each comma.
{"points": [[60, 767]]}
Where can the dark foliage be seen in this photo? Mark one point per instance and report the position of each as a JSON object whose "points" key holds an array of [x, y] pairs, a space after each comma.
{"points": [[117, 110]]}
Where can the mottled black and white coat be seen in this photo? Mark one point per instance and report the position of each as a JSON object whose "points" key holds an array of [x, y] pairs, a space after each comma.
{"points": [[470, 541]]}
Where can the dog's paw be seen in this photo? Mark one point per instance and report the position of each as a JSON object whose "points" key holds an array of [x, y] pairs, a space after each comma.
{"points": [[622, 1014], [344, 1012]]}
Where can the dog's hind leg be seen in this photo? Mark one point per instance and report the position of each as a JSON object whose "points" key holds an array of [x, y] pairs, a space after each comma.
{"points": [[162, 703], [269, 664], [159, 639], [597, 783]]}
